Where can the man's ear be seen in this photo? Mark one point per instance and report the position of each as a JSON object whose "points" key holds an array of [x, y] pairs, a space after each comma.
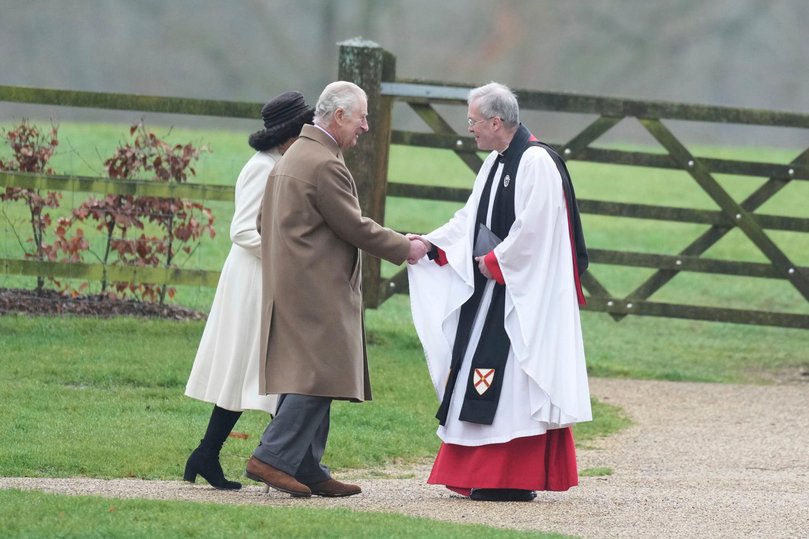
{"points": [[339, 115]]}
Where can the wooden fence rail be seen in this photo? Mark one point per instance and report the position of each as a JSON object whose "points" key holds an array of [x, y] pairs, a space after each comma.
{"points": [[112, 272]]}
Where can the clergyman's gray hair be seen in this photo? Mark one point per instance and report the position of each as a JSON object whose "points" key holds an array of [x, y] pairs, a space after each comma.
{"points": [[495, 99], [337, 95]]}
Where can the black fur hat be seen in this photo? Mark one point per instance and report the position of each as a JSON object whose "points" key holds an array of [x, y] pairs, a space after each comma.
{"points": [[283, 116]]}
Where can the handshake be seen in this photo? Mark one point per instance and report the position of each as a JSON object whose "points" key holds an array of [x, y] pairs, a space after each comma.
{"points": [[419, 247]]}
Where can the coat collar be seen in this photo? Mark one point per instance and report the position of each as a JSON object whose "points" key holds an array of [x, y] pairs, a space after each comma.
{"points": [[312, 132]]}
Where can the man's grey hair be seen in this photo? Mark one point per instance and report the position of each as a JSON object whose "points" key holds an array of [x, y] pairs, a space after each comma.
{"points": [[337, 95], [495, 99]]}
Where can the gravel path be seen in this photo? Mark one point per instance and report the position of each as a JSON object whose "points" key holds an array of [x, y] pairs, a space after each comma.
{"points": [[701, 460]]}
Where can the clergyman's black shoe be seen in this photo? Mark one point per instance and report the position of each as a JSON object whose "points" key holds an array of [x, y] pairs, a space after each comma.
{"points": [[502, 495]]}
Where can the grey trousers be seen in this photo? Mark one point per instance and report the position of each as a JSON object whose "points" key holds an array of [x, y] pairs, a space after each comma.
{"points": [[295, 440]]}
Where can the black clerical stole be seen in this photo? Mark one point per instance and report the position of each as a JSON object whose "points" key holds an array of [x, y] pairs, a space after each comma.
{"points": [[485, 379]]}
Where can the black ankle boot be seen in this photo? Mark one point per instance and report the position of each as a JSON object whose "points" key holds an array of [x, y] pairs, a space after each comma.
{"points": [[201, 462], [205, 458]]}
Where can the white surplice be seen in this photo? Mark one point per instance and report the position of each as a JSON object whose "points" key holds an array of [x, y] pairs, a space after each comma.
{"points": [[545, 381]]}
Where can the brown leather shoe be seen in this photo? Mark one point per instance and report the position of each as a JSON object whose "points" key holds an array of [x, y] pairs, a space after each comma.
{"points": [[332, 488], [264, 473]]}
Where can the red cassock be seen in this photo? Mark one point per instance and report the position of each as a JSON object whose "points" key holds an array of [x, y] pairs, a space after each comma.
{"points": [[543, 462]]}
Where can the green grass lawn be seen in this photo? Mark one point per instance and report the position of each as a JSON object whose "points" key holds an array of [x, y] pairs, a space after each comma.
{"points": [[72, 380], [37, 514], [104, 398]]}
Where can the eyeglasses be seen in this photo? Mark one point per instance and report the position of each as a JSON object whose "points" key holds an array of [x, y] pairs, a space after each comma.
{"points": [[472, 123]]}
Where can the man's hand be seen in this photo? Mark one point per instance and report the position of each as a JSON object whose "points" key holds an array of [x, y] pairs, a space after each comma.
{"points": [[422, 239], [484, 269], [417, 250]]}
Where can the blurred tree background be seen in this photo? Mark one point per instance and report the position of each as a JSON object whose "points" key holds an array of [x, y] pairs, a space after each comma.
{"points": [[726, 52]]}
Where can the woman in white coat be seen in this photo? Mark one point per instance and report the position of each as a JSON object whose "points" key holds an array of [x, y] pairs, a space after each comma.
{"points": [[226, 367]]}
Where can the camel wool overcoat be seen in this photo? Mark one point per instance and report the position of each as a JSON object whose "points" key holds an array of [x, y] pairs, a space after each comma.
{"points": [[312, 230]]}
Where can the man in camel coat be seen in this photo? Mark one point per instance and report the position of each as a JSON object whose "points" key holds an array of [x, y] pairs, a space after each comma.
{"points": [[313, 335]]}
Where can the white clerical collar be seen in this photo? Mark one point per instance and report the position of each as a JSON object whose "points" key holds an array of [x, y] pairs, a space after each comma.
{"points": [[330, 135]]}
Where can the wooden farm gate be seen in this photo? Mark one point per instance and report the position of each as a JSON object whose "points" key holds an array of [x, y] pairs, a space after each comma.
{"points": [[373, 69]]}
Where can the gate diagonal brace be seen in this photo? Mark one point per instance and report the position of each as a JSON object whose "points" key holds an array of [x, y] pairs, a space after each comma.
{"points": [[740, 214]]}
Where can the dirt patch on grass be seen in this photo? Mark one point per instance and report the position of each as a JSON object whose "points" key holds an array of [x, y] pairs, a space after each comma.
{"points": [[51, 302], [790, 374]]}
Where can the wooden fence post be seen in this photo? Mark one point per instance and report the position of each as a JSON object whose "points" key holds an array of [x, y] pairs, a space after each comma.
{"points": [[367, 65]]}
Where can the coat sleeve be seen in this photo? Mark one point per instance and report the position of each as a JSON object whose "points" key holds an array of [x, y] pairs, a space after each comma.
{"points": [[249, 192], [340, 208]]}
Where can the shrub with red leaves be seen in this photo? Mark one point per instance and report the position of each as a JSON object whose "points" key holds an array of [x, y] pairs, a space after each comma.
{"points": [[182, 222], [31, 150]]}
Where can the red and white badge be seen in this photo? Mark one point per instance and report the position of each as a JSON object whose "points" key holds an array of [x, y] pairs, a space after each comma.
{"points": [[482, 379]]}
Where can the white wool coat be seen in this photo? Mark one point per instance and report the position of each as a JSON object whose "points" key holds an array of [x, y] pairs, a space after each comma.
{"points": [[226, 367]]}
